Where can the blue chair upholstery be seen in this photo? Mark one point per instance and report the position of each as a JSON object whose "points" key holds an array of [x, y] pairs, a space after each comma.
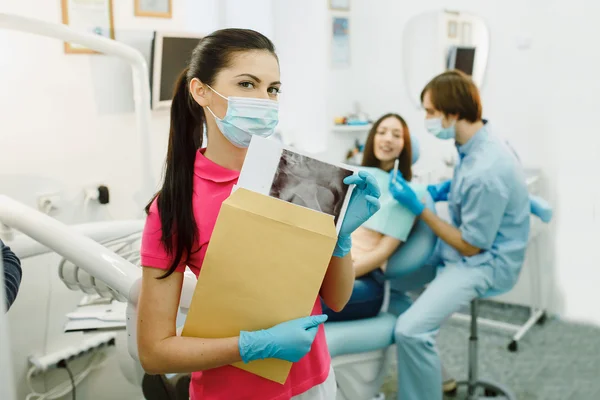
{"points": [[415, 149], [540, 208], [360, 336], [348, 337], [416, 251]]}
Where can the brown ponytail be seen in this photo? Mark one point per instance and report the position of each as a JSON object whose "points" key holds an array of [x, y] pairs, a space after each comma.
{"points": [[212, 54]]}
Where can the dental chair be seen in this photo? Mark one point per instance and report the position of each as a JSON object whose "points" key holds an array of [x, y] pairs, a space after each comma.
{"points": [[361, 349]]}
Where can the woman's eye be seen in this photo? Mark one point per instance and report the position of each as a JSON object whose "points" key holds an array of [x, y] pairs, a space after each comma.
{"points": [[247, 85], [274, 90]]}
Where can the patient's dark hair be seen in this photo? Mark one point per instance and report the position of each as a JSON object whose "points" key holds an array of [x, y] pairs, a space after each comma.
{"points": [[405, 158], [212, 54]]}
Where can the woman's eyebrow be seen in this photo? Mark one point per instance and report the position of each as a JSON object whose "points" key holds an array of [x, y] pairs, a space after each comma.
{"points": [[257, 79], [249, 76]]}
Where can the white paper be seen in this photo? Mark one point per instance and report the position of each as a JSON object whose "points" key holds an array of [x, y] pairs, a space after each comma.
{"points": [[116, 308], [275, 170]]}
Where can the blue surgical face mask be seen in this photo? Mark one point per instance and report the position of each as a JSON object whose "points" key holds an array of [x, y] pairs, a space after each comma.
{"points": [[434, 126], [247, 116]]}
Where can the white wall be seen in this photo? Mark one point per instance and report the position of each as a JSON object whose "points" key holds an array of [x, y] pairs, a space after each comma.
{"points": [[67, 122], [299, 35]]}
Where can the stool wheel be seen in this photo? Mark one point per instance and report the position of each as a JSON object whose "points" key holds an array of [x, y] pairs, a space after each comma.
{"points": [[542, 319], [513, 346]]}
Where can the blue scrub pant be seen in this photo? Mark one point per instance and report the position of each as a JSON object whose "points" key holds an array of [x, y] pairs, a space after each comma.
{"points": [[451, 288]]}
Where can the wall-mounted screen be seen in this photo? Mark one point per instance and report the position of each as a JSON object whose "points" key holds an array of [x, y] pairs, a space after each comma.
{"points": [[171, 53]]}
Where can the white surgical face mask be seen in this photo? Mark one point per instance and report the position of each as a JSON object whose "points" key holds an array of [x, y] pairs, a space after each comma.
{"points": [[435, 127], [247, 116]]}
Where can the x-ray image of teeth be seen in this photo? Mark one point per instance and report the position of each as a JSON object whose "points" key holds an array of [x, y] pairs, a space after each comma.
{"points": [[310, 183]]}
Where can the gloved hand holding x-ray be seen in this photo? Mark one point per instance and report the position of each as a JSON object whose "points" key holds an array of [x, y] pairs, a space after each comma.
{"points": [[363, 205], [310, 183], [304, 181]]}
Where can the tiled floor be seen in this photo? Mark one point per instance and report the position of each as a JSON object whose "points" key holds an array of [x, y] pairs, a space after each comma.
{"points": [[556, 361]]}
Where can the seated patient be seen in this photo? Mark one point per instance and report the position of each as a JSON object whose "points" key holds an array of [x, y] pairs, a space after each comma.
{"points": [[388, 140]]}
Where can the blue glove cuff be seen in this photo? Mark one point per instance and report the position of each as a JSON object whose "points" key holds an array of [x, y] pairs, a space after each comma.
{"points": [[418, 209], [432, 189], [252, 349], [343, 246]]}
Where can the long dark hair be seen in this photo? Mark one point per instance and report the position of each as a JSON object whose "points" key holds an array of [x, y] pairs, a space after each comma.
{"points": [[211, 55], [405, 158]]}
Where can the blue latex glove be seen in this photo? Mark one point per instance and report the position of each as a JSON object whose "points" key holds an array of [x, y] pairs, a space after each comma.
{"points": [[289, 341], [440, 191], [363, 204], [403, 193]]}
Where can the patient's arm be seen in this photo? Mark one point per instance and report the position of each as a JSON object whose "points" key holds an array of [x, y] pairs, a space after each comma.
{"points": [[375, 258], [160, 349]]}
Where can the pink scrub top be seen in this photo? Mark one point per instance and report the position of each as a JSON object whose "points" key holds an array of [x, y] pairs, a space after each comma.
{"points": [[212, 185]]}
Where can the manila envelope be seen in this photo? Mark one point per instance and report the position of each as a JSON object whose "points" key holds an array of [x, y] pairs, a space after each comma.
{"points": [[264, 265]]}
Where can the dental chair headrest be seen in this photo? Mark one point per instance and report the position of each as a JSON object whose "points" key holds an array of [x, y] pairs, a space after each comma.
{"points": [[416, 151], [417, 249]]}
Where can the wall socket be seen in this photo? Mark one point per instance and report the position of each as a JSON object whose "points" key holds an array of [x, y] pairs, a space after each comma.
{"points": [[48, 203]]}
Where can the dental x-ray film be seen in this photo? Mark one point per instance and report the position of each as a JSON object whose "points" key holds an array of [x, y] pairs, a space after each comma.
{"points": [[274, 170]]}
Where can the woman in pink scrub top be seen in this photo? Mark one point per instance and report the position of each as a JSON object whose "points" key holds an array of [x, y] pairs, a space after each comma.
{"points": [[230, 88]]}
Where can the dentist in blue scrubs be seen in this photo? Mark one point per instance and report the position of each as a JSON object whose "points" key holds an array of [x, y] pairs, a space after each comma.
{"points": [[483, 247]]}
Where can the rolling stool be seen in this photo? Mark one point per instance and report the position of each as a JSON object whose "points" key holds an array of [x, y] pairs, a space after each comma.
{"points": [[491, 389]]}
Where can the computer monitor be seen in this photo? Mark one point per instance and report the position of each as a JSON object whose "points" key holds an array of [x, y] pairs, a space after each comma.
{"points": [[462, 58], [170, 54]]}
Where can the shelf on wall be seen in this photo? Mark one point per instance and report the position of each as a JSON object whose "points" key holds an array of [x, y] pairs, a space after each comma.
{"points": [[352, 128]]}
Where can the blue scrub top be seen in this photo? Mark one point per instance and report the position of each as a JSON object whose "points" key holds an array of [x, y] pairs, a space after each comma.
{"points": [[489, 203]]}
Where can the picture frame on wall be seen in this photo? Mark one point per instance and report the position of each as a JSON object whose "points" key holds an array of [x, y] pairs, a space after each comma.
{"points": [[86, 16], [340, 43], [466, 34], [339, 5], [452, 29], [153, 8]]}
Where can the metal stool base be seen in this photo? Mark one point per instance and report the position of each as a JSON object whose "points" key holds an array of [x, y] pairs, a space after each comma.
{"points": [[485, 389]]}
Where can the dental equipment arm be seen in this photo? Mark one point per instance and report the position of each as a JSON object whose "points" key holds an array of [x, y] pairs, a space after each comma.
{"points": [[96, 259], [26, 247], [141, 81], [101, 263]]}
